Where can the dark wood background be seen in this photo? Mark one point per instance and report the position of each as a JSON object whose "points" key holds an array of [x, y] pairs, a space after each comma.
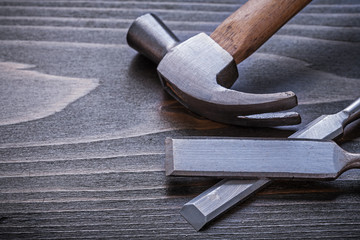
{"points": [[83, 120]]}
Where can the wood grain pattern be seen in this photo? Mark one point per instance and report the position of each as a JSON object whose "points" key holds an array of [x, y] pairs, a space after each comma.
{"points": [[244, 31], [95, 168]]}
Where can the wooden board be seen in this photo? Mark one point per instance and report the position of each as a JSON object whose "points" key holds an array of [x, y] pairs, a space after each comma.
{"points": [[83, 121]]}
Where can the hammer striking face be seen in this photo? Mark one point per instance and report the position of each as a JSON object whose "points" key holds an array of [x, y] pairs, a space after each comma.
{"points": [[199, 71]]}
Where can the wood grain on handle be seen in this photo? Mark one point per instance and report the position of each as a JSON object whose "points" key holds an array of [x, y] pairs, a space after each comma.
{"points": [[244, 31]]}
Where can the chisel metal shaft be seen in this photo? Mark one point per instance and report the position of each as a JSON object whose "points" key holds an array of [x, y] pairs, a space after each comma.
{"points": [[259, 158], [228, 192]]}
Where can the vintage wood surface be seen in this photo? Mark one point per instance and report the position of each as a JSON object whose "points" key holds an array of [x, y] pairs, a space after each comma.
{"points": [[83, 121]]}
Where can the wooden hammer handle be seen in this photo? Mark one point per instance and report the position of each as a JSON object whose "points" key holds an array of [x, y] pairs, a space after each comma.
{"points": [[244, 31]]}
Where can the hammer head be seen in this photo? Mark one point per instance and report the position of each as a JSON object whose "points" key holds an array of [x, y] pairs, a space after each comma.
{"points": [[199, 72]]}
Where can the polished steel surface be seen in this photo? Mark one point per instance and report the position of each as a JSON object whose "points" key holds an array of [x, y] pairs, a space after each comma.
{"points": [[191, 73], [217, 199], [151, 37], [258, 158], [330, 126]]}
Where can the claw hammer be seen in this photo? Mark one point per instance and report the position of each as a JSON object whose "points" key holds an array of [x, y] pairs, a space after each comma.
{"points": [[199, 71]]}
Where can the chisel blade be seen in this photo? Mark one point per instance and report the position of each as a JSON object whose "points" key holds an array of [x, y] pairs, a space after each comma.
{"points": [[256, 158], [330, 126], [324, 127]]}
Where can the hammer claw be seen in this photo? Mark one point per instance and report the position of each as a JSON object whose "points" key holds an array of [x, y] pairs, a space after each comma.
{"points": [[257, 109], [249, 103], [238, 108]]}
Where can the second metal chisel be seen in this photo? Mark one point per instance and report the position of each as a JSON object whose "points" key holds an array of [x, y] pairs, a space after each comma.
{"points": [[228, 192]]}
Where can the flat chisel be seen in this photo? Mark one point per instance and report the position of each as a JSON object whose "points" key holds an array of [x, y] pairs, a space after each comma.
{"points": [[228, 192], [260, 158]]}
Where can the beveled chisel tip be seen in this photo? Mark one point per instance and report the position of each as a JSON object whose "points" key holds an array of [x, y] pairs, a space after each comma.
{"points": [[194, 216]]}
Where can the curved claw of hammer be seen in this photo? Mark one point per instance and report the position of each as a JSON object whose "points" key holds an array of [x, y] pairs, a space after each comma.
{"points": [[197, 73], [247, 109], [234, 107]]}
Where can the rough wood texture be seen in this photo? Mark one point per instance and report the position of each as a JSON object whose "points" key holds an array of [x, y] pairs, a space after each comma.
{"points": [[244, 31], [83, 121]]}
